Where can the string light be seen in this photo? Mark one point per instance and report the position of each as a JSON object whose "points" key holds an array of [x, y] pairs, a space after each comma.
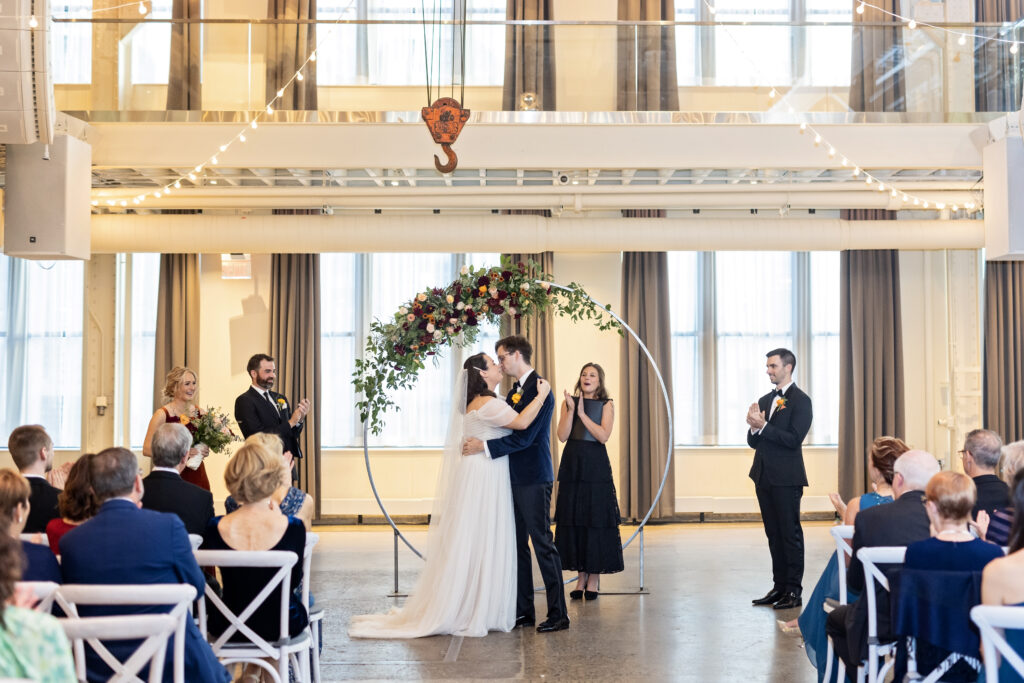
{"points": [[254, 124], [157, 195], [280, 93], [911, 24], [177, 184], [962, 40], [298, 76], [1013, 49], [817, 139], [270, 110], [831, 152], [213, 160], [312, 56], [33, 22], [773, 93], [803, 128], [223, 148], [860, 8], [192, 176], [142, 8], [241, 137]]}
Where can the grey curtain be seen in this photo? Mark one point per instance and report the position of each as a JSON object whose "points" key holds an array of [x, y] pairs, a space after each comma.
{"points": [[642, 415], [647, 58], [997, 73], [529, 55], [288, 46], [183, 84], [540, 331], [295, 344], [1004, 348], [177, 318], [870, 360], [878, 81]]}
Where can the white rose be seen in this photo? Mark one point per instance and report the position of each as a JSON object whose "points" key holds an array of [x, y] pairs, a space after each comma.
{"points": [[493, 291], [453, 320], [464, 270], [525, 286], [430, 327], [449, 298], [511, 310], [403, 310], [437, 334], [451, 330], [460, 305]]}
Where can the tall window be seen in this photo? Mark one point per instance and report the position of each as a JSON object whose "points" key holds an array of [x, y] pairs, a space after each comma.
{"points": [[737, 48], [728, 310], [71, 43], [393, 54], [41, 314], [356, 288], [144, 295], [151, 46]]}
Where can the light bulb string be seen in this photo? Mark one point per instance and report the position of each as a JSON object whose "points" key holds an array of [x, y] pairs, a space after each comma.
{"points": [[918, 24], [819, 139], [239, 136]]}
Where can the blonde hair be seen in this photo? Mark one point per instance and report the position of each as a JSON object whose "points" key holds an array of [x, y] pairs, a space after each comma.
{"points": [[174, 378], [1012, 461], [953, 493], [254, 472], [271, 442]]}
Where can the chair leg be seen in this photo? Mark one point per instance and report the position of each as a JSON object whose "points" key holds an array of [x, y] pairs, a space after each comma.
{"points": [[316, 653], [841, 672], [828, 662]]}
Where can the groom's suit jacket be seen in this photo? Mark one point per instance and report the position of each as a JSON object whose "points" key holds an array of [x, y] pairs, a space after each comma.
{"points": [[255, 414], [529, 449], [778, 456]]}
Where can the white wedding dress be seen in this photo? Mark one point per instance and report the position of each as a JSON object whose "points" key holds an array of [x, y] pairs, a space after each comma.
{"points": [[468, 583]]}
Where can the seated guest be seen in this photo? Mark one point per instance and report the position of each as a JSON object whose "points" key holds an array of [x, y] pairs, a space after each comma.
{"points": [[32, 450], [949, 499], [290, 500], [980, 454], [39, 562], [124, 544], [32, 644], [165, 490], [1001, 584], [76, 503], [996, 528], [253, 475], [901, 522], [881, 458]]}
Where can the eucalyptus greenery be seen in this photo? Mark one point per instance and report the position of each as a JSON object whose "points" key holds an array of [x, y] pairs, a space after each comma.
{"points": [[397, 349]]}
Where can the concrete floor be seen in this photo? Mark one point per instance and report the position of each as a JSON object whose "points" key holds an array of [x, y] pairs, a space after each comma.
{"points": [[696, 623]]}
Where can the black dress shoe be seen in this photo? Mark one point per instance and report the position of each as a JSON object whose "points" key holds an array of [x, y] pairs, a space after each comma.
{"points": [[590, 595], [575, 595], [522, 622], [553, 625], [788, 601], [770, 599]]}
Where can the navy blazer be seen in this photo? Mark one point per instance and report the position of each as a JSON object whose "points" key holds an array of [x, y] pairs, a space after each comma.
{"points": [[778, 455], [254, 415], [529, 449], [123, 545]]}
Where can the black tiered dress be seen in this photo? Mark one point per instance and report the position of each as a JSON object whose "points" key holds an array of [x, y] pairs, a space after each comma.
{"points": [[587, 509]]}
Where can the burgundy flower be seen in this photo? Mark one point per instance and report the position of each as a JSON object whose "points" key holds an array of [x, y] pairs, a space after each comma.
{"points": [[437, 291], [518, 316], [458, 290], [471, 321], [492, 302], [502, 295], [423, 324], [484, 281], [522, 267], [506, 275], [497, 308]]}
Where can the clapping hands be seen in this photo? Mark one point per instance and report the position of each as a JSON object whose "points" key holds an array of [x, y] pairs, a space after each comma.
{"points": [[300, 412], [755, 417]]}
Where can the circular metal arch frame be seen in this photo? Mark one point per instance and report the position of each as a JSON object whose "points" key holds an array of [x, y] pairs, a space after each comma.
{"points": [[668, 410]]}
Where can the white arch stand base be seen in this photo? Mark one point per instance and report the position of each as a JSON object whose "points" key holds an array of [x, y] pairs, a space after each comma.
{"points": [[641, 590]]}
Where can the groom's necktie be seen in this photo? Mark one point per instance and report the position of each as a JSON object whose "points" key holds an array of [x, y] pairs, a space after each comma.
{"points": [[270, 399]]}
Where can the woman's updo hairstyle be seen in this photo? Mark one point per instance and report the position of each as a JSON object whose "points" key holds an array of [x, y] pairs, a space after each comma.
{"points": [[475, 384], [174, 378], [254, 472]]}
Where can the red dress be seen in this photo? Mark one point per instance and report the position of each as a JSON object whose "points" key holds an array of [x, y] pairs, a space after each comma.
{"points": [[198, 476], [56, 528]]}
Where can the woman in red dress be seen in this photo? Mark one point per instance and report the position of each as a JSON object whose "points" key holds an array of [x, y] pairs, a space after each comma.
{"points": [[180, 391]]}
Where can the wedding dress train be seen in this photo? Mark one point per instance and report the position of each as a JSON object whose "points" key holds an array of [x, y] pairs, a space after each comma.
{"points": [[468, 583]]}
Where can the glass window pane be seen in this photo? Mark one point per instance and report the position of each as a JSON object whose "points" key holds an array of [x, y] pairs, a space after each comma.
{"points": [[684, 300], [828, 48], [825, 346], [151, 47], [339, 311], [687, 44], [71, 43], [144, 296], [738, 47]]}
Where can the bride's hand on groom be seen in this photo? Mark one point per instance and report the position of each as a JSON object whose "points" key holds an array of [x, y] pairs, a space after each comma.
{"points": [[472, 446], [543, 388]]}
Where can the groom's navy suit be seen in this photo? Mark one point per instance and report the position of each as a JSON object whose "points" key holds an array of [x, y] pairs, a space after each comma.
{"points": [[529, 465]]}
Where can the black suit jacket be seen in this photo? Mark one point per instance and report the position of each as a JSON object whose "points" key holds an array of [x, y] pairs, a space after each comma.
{"points": [[168, 492], [529, 449], [900, 523], [993, 494], [778, 454], [43, 502], [254, 414]]}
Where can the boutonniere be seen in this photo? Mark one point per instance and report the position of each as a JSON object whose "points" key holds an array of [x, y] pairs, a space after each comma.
{"points": [[780, 403], [516, 398], [281, 403]]}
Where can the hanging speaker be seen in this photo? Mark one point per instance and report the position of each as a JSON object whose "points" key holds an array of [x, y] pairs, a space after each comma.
{"points": [[27, 111]]}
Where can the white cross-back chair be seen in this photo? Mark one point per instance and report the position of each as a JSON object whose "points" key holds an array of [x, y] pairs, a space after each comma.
{"points": [[38, 538], [154, 629], [842, 536], [992, 621], [871, 558], [43, 591], [316, 616], [256, 648], [196, 540], [179, 596]]}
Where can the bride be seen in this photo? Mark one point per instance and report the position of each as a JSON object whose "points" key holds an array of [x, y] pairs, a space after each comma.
{"points": [[468, 583]]}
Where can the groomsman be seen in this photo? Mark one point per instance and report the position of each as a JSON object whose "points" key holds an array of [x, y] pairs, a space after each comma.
{"points": [[779, 422], [261, 410]]}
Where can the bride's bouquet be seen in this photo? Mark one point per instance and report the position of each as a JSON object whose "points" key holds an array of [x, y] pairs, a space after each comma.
{"points": [[210, 428]]}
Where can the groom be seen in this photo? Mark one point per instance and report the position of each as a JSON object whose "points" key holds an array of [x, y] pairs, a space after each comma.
{"points": [[529, 454]]}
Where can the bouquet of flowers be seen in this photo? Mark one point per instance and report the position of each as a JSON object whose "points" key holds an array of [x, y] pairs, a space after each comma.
{"points": [[210, 428]]}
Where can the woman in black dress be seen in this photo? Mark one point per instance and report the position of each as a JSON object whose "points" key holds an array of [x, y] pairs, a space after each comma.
{"points": [[587, 509]]}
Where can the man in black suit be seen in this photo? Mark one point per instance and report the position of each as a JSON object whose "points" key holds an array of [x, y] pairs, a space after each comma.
{"points": [[32, 450], [980, 454], [900, 523], [779, 422], [531, 474], [261, 410], [165, 490]]}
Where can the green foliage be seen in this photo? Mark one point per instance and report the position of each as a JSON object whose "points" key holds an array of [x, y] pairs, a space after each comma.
{"points": [[396, 350]]}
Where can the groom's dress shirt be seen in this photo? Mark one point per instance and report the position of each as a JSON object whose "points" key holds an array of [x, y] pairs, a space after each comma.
{"points": [[779, 391], [520, 383]]}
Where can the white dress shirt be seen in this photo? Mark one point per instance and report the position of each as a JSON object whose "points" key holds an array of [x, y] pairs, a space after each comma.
{"points": [[771, 411]]}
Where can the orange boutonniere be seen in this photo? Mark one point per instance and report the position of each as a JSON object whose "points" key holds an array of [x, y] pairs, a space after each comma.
{"points": [[516, 398], [780, 403]]}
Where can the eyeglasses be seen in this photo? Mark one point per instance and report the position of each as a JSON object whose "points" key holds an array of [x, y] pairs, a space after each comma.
{"points": [[962, 452], [502, 357]]}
